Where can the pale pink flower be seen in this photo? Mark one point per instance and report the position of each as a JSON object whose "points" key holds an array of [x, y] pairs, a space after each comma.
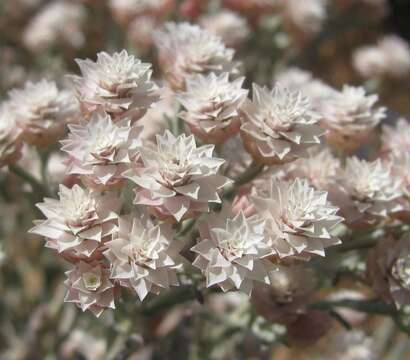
{"points": [[59, 22], [299, 219], [10, 137], [369, 61], [101, 149], [143, 256], [140, 31], [90, 288], [368, 192], [350, 117], [78, 223], [177, 179], [186, 49], [279, 125], [120, 84], [42, 111], [211, 106], [396, 139], [233, 252], [320, 168], [231, 27], [388, 269]]}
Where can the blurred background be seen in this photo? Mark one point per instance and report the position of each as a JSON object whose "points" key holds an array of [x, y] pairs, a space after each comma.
{"points": [[361, 42]]}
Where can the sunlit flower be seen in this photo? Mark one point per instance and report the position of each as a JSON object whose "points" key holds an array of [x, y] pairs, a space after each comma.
{"points": [[59, 22], [78, 223], [10, 137], [42, 111], [233, 252], [101, 149], [119, 84], [90, 288], [350, 117], [143, 256], [396, 139], [211, 105], [177, 178], [388, 270], [299, 219], [186, 49], [369, 192], [320, 168], [231, 27], [279, 125]]}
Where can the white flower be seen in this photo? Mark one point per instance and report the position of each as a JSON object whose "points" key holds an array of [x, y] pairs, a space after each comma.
{"points": [[279, 125], [370, 188], [101, 149], [177, 178], [42, 111], [320, 168], [186, 49], [89, 287], [58, 22], [211, 105], [143, 256], [307, 15], [299, 219], [231, 27], [350, 117], [233, 252], [396, 139], [119, 84], [10, 137], [78, 223]]}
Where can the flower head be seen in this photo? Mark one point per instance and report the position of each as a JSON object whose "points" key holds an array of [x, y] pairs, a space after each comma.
{"points": [[186, 49], [90, 288], [143, 256], [368, 189], [350, 117], [101, 149], [233, 252], [279, 125], [211, 106], [119, 84], [10, 137], [299, 219], [42, 111], [388, 270], [78, 223], [396, 139], [177, 178]]}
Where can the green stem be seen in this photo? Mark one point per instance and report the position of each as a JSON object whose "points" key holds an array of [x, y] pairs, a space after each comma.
{"points": [[24, 175]]}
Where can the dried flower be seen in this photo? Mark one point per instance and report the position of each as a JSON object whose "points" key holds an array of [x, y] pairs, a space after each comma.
{"points": [[90, 288], [299, 219], [59, 22], [350, 117], [119, 84], [101, 149], [186, 49], [10, 137], [211, 106], [233, 252], [42, 111], [369, 193], [177, 178], [396, 139], [388, 269], [78, 223], [231, 27], [143, 256], [279, 125]]}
